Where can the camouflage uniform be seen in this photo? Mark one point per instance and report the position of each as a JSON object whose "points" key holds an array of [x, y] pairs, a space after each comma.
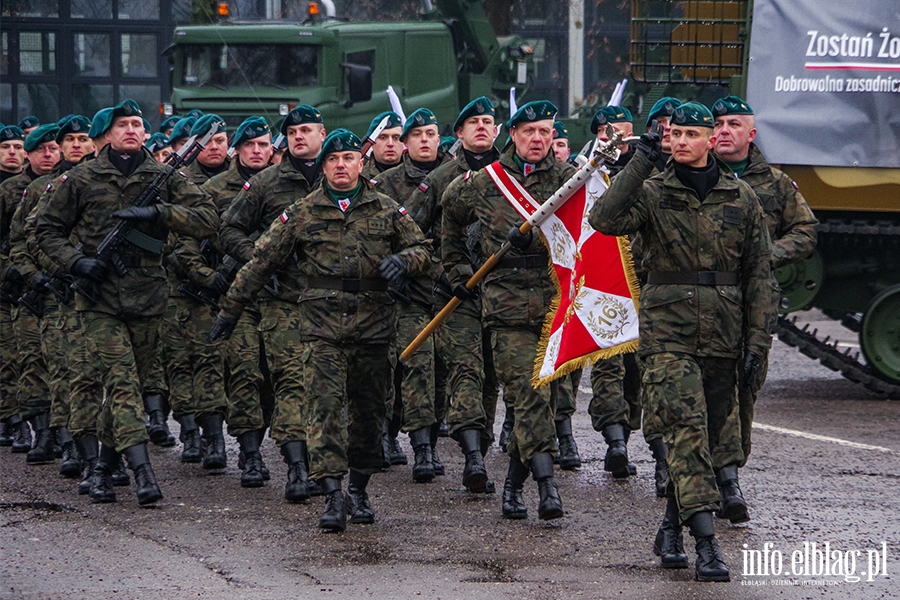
{"points": [[123, 325], [792, 227], [516, 294], [343, 354], [693, 335], [373, 169]]}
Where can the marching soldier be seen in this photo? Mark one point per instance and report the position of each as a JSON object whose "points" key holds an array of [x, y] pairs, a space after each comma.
{"points": [[662, 112], [12, 152], [561, 142], [387, 149], [29, 124], [159, 147]]}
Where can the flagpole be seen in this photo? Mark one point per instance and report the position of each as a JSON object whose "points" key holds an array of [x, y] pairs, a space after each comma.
{"points": [[606, 152]]}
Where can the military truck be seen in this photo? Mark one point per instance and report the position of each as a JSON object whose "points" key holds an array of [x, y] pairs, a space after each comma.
{"points": [[237, 69], [823, 81]]}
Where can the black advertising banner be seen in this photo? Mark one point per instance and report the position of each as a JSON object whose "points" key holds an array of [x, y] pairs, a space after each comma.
{"points": [[824, 81]]}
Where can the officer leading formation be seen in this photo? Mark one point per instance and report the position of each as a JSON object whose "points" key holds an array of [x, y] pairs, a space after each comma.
{"points": [[246, 283]]}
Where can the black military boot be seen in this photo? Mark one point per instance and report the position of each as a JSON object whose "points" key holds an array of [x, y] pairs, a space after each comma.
{"points": [[435, 460], [314, 488], [21, 433], [139, 461], [334, 517], [669, 542], [550, 506], [710, 565], [101, 484], [191, 446], [513, 504], [214, 456], [423, 468], [71, 464], [359, 508], [474, 474], [261, 434], [251, 476], [616, 461], [88, 447], [660, 451], [6, 438], [509, 422], [734, 507], [157, 427], [119, 476], [569, 459], [296, 489], [42, 452]]}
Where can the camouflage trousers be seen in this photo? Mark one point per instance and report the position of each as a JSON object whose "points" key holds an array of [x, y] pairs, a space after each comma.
{"points": [[280, 330], [9, 362], [691, 397], [244, 378], [85, 386], [345, 386], [55, 344], [33, 394], [195, 368], [125, 352], [565, 390], [414, 379], [534, 431], [616, 393], [734, 442]]}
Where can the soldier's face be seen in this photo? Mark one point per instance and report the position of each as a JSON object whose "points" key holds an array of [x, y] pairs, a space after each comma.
{"points": [[126, 134], [342, 169], [423, 143], [388, 147], [666, 142], [561, 149], [533, 140], [162, 155], [305, 140], [478, 133], [255, 153], [44, 157], [213, 154], [75, 145], [733, 136], [690, 145], [626, 129], [12, 155]]}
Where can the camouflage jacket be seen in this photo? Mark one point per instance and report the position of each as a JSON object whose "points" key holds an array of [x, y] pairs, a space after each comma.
{"points": [[11, 192], [326, 242], [253, 211], [82, 203], [371, 171], [19, 253], [512, 296], [724, 232]]}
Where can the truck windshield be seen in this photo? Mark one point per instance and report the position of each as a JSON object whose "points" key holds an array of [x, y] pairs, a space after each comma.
{"points": [[248, 65]]}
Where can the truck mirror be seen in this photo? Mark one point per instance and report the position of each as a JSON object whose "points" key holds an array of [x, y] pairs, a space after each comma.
{"points": [[359, 83]]}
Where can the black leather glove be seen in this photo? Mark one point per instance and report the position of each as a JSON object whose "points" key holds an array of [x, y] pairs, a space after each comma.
{"points": [[139, 213], [221, 284], [91, 268], [222, 328], [519, 240], [40, 281], [464, 293], [393, 268], [650, 144], [13, 276], [752, 366]]}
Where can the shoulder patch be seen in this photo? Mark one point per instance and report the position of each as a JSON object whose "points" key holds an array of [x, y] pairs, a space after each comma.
{"points": [[24, 192], [401, 210], [423, 187], [467, 175], [794, 183], [182, 174], [246, 185], [373, 182], [49, 187], [63, 178], [284, 217]]}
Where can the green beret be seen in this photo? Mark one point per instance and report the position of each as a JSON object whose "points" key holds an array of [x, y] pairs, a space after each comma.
{"points": [[125, 108], [446, 143], [207, 122], [536, 110], [476, 108], [169, 123], [41, 135], [29, 122], [301, 114], [73, 124], [99, 120], [12, 132], [182, 129], [394, 121], [664, 107], [196, 113], [252, 127], [64, 119], [419, 118], [157, 142], [692, 114], [610, 114], [560, 131], [731, 105], [339, 140]]}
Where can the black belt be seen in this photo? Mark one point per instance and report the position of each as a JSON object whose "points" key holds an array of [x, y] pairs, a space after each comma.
{"points": [[529, 261], [347, 285], [136, 261], [692, 278]]}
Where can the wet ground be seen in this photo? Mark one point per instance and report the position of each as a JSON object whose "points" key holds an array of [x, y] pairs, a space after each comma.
{"points": [[825, 469]]}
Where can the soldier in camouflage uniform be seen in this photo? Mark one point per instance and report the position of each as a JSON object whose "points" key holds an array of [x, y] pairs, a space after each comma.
{"points": [[414, 380], [348, 242], [387, 149], [12, 151], [705, 307], [516, 295], [561, 142], [461, 346], [792, 227], [253, 210], [122, 326]]}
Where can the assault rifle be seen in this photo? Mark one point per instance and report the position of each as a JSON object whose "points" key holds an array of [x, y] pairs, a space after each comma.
{"points": [[58, 284]]}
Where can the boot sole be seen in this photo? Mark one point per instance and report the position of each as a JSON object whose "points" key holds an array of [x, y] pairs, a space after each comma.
{"points": [[515, 516], [191, 459], [672, 564], [40, 461], [423, 477], [735, 512], [103, 500], [252, 483], [718, 578], [476, 482], [70, 472], [214, 465], [363, 520], [151, 499], [618, 466], [332, 527], [549, 515], [569, 465]]}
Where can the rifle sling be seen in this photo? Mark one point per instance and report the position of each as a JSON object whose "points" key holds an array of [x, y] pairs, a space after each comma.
{"points": [[145, 242]]}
